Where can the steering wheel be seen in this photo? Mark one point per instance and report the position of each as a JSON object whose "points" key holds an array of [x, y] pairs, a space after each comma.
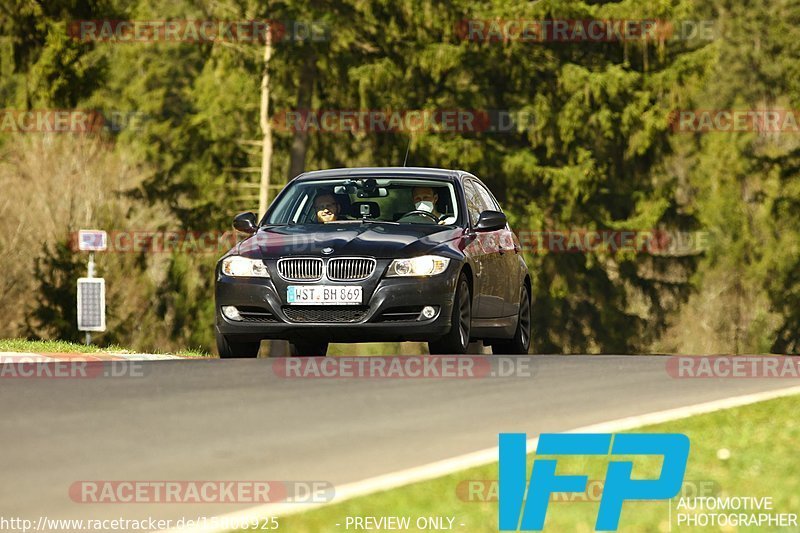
{"points": [[419, 212]]}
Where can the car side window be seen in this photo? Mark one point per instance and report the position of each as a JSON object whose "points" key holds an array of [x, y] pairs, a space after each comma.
{"points": [[488, 200], [474, 201]]}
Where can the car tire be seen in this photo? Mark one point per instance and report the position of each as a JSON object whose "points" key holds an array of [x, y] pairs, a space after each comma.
{"points": [[456, 340], [308, 349], [229, 350], [521, 342]]}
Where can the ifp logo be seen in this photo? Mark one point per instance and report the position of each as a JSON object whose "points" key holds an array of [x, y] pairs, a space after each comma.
{"points": [[520, 514]]}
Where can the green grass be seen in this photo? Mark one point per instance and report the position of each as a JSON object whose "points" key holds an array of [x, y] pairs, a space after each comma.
{"points": [[23, 345], [762, 440]]}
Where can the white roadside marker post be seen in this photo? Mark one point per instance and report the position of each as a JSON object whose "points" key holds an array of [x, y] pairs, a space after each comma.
{"points": [[91, 290]]}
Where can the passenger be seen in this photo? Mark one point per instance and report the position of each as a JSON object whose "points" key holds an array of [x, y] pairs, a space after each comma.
{"points": [[425, 199]]}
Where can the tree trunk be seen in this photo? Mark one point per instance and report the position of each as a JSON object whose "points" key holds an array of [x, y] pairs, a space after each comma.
{"points": [[305, 91], [266, 129], [274, 348]]}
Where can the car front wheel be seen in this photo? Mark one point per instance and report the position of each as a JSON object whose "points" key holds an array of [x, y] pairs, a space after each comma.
{"points": [[230, 349], [457, 339], [521, 342]]}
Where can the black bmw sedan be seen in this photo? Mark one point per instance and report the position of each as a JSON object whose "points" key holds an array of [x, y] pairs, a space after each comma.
{"points": [[375, 254]]}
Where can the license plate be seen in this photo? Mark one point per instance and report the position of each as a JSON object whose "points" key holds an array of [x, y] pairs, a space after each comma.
{"points": [[323, 295]]}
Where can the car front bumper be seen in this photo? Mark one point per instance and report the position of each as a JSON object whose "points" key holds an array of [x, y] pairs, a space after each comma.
{"points": [[390, 310]]}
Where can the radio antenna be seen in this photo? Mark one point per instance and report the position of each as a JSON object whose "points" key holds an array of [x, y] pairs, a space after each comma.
{"points": [[407, 148]]}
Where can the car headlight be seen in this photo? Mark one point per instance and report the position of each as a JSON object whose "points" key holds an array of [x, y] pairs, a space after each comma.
{"points": [[426, 265], [242, 267]]}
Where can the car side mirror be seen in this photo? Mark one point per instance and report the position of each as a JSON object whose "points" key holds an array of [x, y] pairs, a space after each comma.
{"points": [[245, 222], [491, 221]]}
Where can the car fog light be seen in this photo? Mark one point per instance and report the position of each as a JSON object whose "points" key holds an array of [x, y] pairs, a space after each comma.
{"points": [[428, 312], [231, 312]]}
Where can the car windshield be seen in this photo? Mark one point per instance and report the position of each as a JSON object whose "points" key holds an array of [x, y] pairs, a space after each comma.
{"points": [[345, 200]]}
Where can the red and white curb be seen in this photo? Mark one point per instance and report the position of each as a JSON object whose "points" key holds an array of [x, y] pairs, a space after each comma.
{"points": [[29, 357]]}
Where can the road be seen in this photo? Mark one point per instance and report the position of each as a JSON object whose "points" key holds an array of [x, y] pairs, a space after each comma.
{"points": [[237, 420]]}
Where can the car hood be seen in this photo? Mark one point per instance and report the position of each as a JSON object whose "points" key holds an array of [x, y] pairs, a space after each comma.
{"points": [[388, 241]]}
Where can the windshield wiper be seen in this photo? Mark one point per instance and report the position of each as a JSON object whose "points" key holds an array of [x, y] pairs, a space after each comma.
{"points": [[363, 221], [373, 221]]}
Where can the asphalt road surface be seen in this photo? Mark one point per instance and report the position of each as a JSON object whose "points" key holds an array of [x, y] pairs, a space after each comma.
{"points": [[237, 420]]}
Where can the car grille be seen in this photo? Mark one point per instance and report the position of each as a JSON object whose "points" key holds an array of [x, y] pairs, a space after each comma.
{"points": [[325, 314], [300, 268], [350, 268]]}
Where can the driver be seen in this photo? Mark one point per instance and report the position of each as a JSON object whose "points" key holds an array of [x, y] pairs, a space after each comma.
{"points": [[326, 207], [425, 199]]}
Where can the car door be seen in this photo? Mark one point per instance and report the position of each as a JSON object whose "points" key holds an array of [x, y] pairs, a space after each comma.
{"points": [[505, 259], [490, 282]]}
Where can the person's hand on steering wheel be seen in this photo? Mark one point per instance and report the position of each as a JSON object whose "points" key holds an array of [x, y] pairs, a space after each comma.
{"points": [[418, 212]]}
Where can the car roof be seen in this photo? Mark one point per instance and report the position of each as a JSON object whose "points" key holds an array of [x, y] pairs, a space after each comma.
{"points": [[384, 172]]}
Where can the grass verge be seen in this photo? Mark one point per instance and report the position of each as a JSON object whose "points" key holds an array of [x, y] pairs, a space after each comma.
{"points": [[749, 451], [24, 345]]}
